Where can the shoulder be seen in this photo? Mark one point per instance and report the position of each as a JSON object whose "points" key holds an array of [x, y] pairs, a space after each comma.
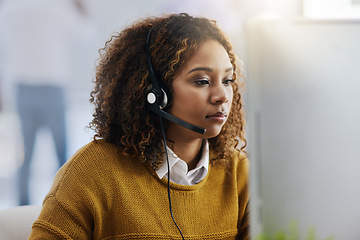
{"points": [[92, 164], [239, 165], [236, 166], [241, 168], [94, 154], [95, 149], [239, 160]]}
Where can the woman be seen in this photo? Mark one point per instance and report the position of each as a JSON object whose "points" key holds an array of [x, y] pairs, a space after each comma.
{"points": [[164, 83]]}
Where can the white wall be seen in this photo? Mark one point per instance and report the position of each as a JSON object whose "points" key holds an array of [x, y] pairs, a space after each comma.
{"points": [[107, 16], [304, 114]]}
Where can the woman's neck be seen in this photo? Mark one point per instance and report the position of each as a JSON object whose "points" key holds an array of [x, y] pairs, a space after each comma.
{"points": [[189, 151]]}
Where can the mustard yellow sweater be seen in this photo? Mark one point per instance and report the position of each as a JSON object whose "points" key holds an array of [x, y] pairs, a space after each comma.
{"points": [[101, 194]]}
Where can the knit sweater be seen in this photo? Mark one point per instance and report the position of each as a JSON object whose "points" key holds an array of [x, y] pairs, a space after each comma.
{"points": [[101, 194]]}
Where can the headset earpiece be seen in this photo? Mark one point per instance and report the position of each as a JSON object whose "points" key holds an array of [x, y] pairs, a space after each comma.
{"points": [[154, 97], [164, 101]]}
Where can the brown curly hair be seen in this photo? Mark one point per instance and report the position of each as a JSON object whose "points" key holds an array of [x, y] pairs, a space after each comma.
{"points": [[121, 115]]}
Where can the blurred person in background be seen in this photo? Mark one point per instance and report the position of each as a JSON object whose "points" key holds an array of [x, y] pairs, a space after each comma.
{"points": [[36, 44]]}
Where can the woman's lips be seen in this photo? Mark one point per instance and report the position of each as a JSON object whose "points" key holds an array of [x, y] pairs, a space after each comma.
{"points": [[219, 116]]}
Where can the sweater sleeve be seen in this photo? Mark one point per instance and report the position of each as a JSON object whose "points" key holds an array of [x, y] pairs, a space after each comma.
{"points": [[244, 230], [243, 188], [58, 222], [68, 209]]}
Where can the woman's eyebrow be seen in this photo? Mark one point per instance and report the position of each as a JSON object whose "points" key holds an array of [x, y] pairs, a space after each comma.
{"points": [[207, 69]]}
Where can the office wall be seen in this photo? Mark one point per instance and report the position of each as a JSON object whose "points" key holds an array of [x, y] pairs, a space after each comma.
{"points": [[304, 114]]}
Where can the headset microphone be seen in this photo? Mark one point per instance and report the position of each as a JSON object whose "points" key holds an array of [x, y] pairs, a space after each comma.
{"points": [[156, 109], [157, 98]]}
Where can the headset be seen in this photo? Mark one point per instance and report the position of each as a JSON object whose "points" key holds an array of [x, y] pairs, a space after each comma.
{"points": [[157, 99]]}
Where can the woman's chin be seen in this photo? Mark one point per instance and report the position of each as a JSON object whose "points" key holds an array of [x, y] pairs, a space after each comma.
{"points": [[212, 132]]}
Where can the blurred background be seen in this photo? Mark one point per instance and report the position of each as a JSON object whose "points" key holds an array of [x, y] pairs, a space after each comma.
{"points": [[301, 61]]}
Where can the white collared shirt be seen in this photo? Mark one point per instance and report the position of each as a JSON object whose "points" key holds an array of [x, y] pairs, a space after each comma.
{"points": [[179, 169]]}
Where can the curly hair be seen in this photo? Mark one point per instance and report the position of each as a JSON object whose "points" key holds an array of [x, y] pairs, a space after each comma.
{"points": [[121, 115]]}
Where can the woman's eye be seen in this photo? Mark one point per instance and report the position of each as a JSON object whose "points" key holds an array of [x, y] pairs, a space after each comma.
{"points": [[201, 82], [227, 82]]}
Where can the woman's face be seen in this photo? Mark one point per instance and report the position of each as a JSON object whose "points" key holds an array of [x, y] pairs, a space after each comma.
{"points": [[202, 91]]}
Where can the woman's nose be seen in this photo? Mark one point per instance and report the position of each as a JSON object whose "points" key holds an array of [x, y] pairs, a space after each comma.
{"points": [[219, 95]]}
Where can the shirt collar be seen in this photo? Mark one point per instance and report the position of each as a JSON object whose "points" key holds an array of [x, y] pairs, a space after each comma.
{"points": [[179, 165]]}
